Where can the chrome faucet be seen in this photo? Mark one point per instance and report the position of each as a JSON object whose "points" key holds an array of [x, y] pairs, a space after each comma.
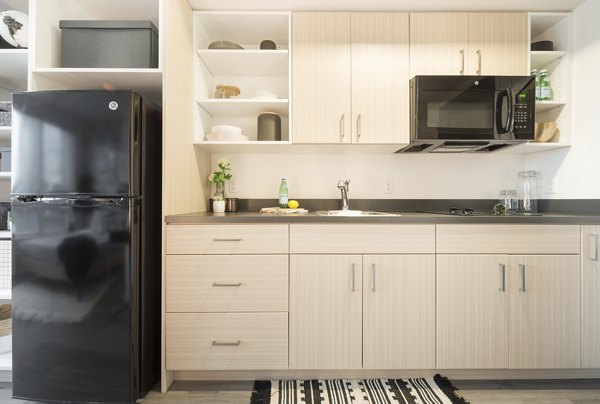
{"points": [[343, 186]]}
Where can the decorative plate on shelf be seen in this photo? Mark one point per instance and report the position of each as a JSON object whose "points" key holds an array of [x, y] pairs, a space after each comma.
{"points": [[14, 27], [224, 45]]}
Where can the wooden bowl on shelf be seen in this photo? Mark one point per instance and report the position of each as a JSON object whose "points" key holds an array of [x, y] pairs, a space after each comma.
{"points": [[544, 131]]}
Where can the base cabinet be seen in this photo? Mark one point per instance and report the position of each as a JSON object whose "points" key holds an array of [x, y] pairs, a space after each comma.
{"points": [[472, 311], [545, 299], [325, 311], [508, 311], [371, 311], [398, 311], [590, 309]]}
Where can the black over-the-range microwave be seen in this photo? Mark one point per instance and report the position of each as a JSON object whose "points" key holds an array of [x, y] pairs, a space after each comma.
{"points": [[470, 113]]}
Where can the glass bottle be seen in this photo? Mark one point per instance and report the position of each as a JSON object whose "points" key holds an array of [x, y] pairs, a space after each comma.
{"points": [[283, 194], [534, 73], [527, 191], [545, 88]]}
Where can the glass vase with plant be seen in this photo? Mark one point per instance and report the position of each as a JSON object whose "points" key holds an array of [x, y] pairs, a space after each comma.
{"points": [[219, 177]]}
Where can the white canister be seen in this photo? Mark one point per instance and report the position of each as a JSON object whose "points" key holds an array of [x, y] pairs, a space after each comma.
{"points": [[218, 206]]}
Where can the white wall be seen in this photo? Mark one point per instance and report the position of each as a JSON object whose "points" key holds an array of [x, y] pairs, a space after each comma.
{"points": [[413, 176], [576, 171]]}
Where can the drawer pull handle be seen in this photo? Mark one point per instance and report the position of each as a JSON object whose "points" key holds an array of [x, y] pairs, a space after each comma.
{"points": [[227, 285], [353, 279], [226, 343], [227, 239], [503, 277]]}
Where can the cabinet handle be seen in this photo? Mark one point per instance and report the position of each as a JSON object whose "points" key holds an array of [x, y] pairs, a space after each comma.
{"points": [[353, 278], [373, 275], [227, 239], [342, 127], [479, 61], [227, 285], [502, 277], [226, 343], [462, 66], [522, 269], [358, 125], [594, 247]]}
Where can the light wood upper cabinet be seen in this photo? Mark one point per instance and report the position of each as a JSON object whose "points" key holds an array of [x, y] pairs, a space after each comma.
{"points": [[469, 44], [399, 311], [472, 311], [350, 77], [321, 77], [325, 311], [439, 43], [498, 44], [590, 348], [380, 50], [544, 311]]}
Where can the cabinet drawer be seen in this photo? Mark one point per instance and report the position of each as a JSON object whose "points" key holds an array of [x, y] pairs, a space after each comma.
{"points": [[226, 283], [233, 341], [362, 239], [227, 239], [508, 239]]}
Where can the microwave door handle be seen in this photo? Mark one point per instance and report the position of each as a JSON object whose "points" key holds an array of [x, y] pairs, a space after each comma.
{"points": [[511, 110], [499, 104]]}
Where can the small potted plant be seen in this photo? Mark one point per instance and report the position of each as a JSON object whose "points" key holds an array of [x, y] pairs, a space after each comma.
{"points": [[219, 177]]}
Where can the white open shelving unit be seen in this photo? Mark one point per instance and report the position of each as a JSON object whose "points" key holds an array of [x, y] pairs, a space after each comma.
{"points": [[554, 27], [250, 69], [46, 72]]}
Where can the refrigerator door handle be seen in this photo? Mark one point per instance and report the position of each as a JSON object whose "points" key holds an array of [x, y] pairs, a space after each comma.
{"points": [[116, 201], [27, 199]]}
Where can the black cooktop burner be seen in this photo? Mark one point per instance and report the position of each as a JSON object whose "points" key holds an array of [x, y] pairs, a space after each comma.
{"points": [[472, 212]]}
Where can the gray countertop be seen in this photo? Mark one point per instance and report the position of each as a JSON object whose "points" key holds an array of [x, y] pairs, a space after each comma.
{"points": [[402, 217]]}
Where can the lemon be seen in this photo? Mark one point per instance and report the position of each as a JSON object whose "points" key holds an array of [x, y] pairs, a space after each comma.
{"points": [[293, 204]]}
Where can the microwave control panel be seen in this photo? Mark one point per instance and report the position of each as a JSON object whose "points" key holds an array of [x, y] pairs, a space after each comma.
{"points": [[523, 113]]}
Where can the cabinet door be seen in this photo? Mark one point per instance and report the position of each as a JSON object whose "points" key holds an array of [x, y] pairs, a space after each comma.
{"points": [[439, 43], [399, 312], [321, 77], [544, 311], [498, 44], [380, 77], [590, 349], [325, 311], [472, 311]]}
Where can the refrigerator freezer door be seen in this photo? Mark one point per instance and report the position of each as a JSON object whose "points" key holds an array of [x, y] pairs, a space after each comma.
{"points": [[76, 143], [75, 299]]}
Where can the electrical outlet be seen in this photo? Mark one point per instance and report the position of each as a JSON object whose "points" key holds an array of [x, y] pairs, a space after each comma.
{"points": [[552, 186], [233, 186], [388, 187]]}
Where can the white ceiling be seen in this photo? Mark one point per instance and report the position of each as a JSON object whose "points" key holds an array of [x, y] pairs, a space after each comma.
{"points": [[386, 5]]}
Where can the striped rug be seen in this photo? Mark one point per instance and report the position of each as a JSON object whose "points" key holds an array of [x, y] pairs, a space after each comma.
{"points": [[436, 390]]}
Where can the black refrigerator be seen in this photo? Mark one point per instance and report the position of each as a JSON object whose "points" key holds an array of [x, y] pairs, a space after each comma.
{"points": [[86, 211]]}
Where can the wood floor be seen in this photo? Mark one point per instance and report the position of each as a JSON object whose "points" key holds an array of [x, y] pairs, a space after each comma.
{"points": [[476, 392]]}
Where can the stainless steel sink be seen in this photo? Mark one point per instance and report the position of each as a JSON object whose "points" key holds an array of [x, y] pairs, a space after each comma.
{"points": [[353, 213]]}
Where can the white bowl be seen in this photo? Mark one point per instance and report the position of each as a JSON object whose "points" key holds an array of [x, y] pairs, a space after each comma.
{"points": [[230, 137], [226, 130]]}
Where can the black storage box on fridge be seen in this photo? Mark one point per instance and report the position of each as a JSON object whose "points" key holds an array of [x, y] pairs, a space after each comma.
{"points": [[109, 43]]}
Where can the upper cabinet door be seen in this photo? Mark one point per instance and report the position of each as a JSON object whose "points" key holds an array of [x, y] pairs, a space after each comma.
{"points": [[321, 77], [498, 44], [380, 53], [439, 43]]}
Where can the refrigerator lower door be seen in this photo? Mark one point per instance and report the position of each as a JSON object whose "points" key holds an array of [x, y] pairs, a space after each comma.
{"points": [[75, 310]]}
